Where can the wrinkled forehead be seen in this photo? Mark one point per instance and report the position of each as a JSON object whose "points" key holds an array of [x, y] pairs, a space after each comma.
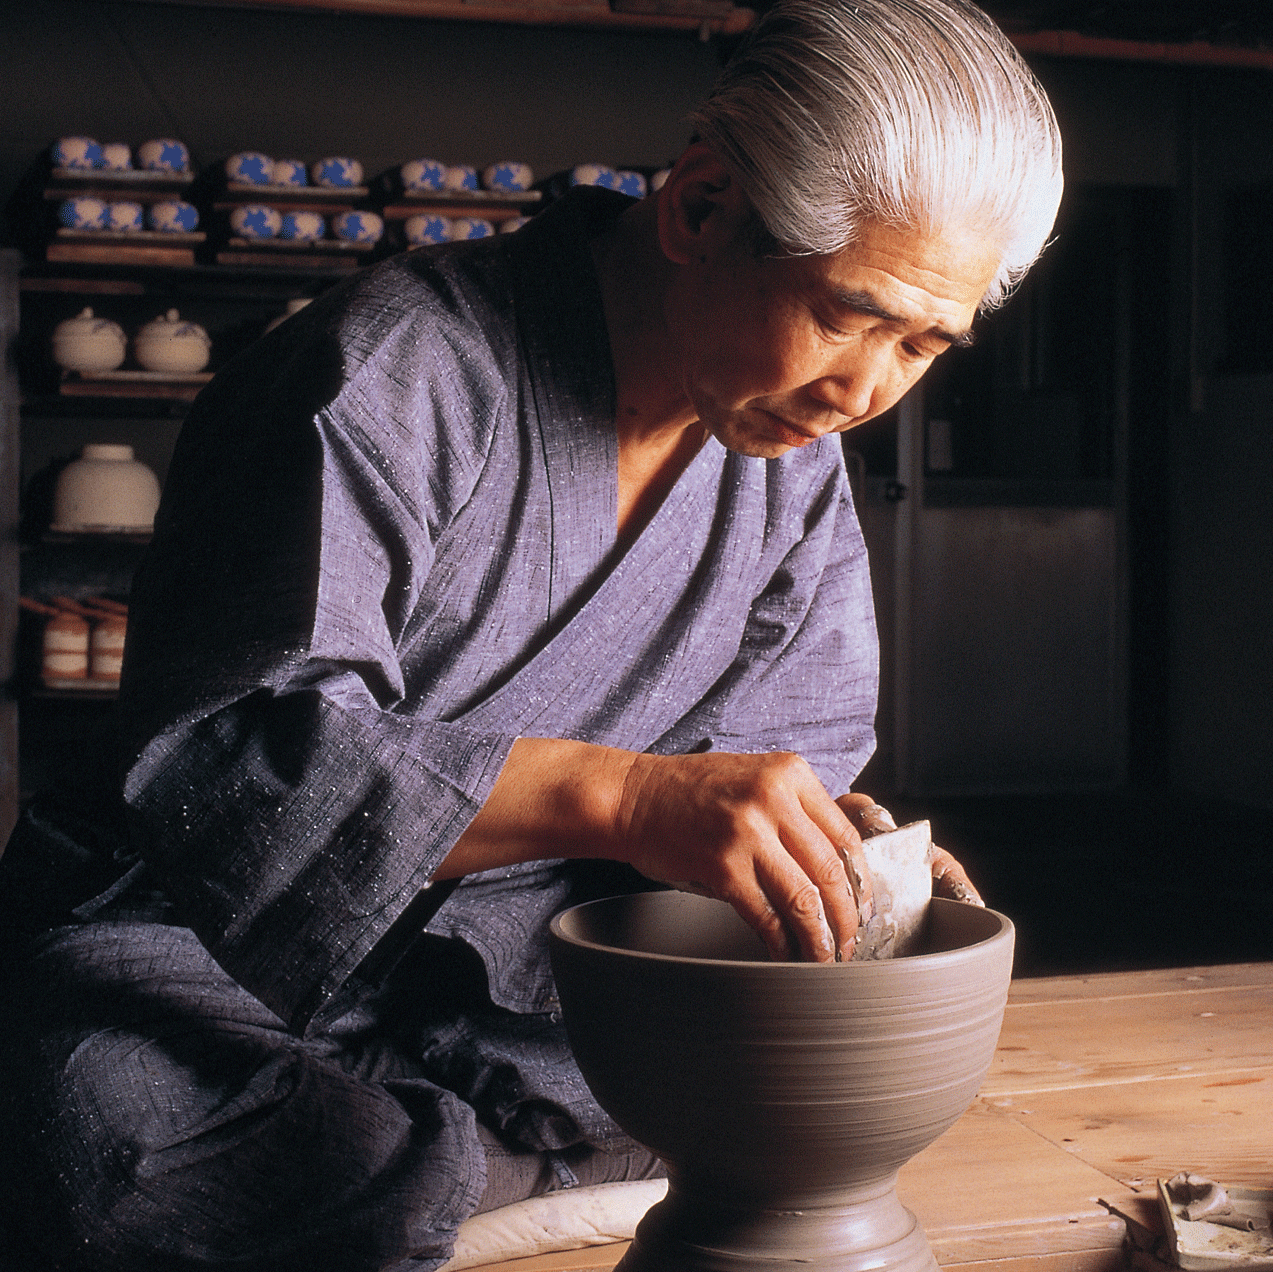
{"points": [[910, 275]]}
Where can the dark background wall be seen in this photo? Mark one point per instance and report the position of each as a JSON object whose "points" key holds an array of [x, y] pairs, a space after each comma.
{"points": [[1199, 460], [306, 85]]}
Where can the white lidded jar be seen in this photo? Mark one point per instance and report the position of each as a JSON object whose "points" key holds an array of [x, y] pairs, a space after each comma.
{"points": [[88, 344], [105, 489], [172, 345]]}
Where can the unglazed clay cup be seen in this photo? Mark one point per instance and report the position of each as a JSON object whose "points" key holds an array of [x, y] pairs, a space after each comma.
{"points": [[783, 1097]]}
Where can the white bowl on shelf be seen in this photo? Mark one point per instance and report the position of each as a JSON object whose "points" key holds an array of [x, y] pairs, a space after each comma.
{"points": [[88, 344], [107, 489], [172, 345]]}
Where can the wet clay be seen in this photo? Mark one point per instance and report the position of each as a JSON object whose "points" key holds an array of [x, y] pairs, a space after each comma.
{"points": [[783, 1097]]}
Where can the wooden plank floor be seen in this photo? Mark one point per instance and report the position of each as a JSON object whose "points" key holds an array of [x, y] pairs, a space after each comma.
{"points": [[1100, 1084]]}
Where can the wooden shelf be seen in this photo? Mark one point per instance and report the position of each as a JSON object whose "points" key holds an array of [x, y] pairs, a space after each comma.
{"points": [[144, 187], [82, 691], [206, 281], [705, 18], [134, 384], [487, 205]]}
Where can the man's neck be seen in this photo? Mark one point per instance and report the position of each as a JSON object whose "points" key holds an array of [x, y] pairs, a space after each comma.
{"points": [[657, 428]]}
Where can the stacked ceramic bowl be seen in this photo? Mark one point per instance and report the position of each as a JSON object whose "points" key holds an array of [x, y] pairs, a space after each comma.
{"points": [[275, 180], [161, 158], [496, 183]]}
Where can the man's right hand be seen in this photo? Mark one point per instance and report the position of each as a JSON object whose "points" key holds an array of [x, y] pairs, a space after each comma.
{"points": [[757, 831]]}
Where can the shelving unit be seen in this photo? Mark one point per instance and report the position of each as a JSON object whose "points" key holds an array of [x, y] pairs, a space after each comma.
{"points": [[66, 729], [485, 205], [141, 247]]}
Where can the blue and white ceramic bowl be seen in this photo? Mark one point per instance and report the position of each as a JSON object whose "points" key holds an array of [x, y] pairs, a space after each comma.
{"points": [[593, 174], [164, 154], [302, 226], [424, 228], [117, 157], [422, 174], [633, 183], [358, 227], [124, 217], [173, 216], [459, 177], [337, 172], [469, 227], [82, 213], [256, 221], [508, 177], [289, 172], [512, 224], [250, 167], [80, 154]]}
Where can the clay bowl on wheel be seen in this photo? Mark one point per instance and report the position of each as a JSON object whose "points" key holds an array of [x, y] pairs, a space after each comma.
{"points": [[783, 1097]]}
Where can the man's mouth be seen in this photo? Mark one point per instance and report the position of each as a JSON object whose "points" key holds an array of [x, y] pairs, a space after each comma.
{"points": [[786, 433]]}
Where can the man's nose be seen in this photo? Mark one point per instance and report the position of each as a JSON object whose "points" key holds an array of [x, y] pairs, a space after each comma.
{"points": [[850, 387]]}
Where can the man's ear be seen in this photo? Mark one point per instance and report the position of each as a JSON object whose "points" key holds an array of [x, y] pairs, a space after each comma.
{"points": [[700, 206]]}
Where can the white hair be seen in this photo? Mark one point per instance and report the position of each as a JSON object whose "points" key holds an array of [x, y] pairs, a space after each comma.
{"points": [[917, 114]]}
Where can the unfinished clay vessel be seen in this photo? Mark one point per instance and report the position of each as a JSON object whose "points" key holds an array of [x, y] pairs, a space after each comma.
{"points": [[783, 1097]]}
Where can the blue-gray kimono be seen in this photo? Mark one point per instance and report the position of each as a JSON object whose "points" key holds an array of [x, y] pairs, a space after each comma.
{"points": [[387, 548]]}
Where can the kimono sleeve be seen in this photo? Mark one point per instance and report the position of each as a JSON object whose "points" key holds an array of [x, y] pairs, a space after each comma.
{"points": [[290, 809]]}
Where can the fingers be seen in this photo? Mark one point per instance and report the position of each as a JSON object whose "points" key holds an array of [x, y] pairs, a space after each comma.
{"points": [[868, 817], [799, 896], [819, 884], [949, 879], [757, 831]]}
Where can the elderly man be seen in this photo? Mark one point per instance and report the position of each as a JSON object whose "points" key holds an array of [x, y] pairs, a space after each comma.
{"points": [[532, 564]]}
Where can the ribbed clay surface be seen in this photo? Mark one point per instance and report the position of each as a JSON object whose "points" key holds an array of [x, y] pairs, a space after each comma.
{"points": [[782, 1096]]}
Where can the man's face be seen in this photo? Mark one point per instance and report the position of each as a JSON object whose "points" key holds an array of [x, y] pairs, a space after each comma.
{"points": [[777, 352]]}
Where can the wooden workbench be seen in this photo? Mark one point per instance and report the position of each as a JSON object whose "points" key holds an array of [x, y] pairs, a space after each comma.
{"points": [[1100, 1085]]}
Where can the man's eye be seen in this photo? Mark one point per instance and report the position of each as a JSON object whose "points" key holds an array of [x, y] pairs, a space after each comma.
{"points": [[918, 353]]}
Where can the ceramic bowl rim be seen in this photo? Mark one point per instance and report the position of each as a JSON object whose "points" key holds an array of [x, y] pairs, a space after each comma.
{"points": [[1006, 932]]}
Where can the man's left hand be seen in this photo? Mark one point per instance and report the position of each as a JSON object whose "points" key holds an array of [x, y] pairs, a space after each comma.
{"points": [[949, 877]]}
